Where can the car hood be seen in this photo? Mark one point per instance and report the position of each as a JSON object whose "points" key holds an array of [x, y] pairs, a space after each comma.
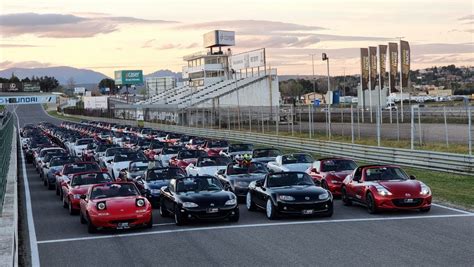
{"points": [[157, 184], [120, 205], [402, 187], [121, 165], [296, 167], [250, 177], [205, 198], [210, 170], [338, 176], [264, 159], [80, 189], [300, 192]]}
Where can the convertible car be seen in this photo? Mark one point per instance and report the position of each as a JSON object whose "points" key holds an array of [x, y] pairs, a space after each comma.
{"points": [[291, 162], [265, 155], [207, 166], [330, 172], [289, 193], [385, 187], [114, 205], [201, 198], [186, 157], [237, 177]]}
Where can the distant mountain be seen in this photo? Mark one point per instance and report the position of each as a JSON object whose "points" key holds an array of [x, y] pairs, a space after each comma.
{"points": [[62, 74], [165, 73]]}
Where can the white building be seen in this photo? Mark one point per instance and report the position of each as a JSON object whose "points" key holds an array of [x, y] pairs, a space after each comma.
{"points": [[156, 85]]}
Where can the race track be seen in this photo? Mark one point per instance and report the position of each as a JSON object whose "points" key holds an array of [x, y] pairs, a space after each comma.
{"points": [[441, 237]]}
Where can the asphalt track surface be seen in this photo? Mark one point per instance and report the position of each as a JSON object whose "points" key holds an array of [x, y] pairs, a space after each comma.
{"points": [[441, 237]]}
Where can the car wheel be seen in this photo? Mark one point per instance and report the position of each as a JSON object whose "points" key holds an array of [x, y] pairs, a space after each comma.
{"points": [[91, 227], [72, 211], [330, 211], [271, 210], [163, 211], [370, 202], [178, 218], [345, 199], [249, 202], [83, 220], [425, 209]]}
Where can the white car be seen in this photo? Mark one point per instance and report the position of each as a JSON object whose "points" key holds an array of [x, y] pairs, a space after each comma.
{"points": [[166, 154], [122, 161], [80, 145], [38, 161], [207, 166], [297, 162], [237, 149], [110, 153]]}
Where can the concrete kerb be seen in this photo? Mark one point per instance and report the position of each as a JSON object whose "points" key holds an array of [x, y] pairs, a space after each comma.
{"points": [[9, 216]]}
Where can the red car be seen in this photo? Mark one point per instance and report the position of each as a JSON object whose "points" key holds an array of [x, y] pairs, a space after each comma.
{"points": [[116, 205], [214, 147], [186, 157], [330, 172], [69, 169], [78, 185], [385, 187], [154, 149], [195, 143]]}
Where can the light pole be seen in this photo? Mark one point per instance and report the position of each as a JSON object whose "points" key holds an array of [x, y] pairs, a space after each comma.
{"points": [[238, 98], [326, 58]]}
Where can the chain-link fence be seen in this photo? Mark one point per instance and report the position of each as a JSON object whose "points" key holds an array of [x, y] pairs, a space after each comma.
{"points": [[6, 132]]}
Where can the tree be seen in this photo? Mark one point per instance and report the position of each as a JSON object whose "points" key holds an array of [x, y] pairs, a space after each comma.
{"points": [[48, 84], [13, 79], [71, 83], [107, 83]]}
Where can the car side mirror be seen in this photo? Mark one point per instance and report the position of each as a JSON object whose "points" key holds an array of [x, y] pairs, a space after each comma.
{"points": [[221, 172], [356, 179], [314, 170], [412, 177], [166, 189], [259, 183], [83, 196]]}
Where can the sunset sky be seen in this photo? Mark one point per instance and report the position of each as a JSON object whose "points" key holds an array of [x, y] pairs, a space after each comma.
{"points": [[105, 35]]}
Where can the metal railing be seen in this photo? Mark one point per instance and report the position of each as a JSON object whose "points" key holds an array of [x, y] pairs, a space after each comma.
{"points": [[6, 133], [430, 160]]}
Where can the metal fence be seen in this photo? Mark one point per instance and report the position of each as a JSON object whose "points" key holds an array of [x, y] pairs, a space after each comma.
{"points": [[6, 132]]}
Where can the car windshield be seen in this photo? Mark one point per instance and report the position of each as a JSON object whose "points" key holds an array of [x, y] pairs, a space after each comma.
{"points": [[191, 154], [213, 161], [296, 158], [113, 190], [138, 166], [112, 151], [90, 178], [218, 144], [128, 157], [173, 136], [50, 156], [265, 153], [240, 147], [385, 174], [44, 152], [254, 167], [78, 167], [165, 174], [146, 131], [103, 147], [83, 142], [197, 141], [338, 165], [288, 179], [144, 142], [91, 146], [198, 184], [61, 161], [171, 150], [157, 145]]}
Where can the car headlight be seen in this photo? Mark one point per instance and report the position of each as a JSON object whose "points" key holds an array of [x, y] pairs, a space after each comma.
{"points": [[155, 191], [140, 202], [231, 202], [77, 196], [101, 206], [335, 181], [425, 190], [286, 198], [189, 205], [382, 190], [324, 195]]}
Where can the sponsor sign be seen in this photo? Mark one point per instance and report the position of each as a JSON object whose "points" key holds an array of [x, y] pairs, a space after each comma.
{"points": [[393, 67], [364, 68], [405, 62], [95, 102], [219, 38], [22, 100], [382, 64], [128, 77], [373, 66], [251, 59], [31, 87], [20, 87]]}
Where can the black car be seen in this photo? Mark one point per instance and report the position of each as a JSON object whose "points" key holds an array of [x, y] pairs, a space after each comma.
{"points": [[265, 155], [154, 179], [201, 198], [289, 193], [237, 177]]}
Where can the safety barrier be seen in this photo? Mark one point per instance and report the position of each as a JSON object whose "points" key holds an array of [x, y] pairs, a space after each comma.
{"points": [[6, 133]]}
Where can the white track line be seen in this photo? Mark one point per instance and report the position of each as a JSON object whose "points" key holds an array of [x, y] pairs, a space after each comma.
{"points": [[163, 224], [449, 208], [251, 226], [29, 211]]}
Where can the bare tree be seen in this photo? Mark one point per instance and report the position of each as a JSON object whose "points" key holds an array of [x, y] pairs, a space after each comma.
{"points": [[71, 83]]}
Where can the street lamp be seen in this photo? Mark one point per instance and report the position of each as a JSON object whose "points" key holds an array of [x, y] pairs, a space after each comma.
{"points": [[326, 58]]}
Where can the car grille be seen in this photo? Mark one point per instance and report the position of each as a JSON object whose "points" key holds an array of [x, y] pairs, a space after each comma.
{"points": [[401, 203]]}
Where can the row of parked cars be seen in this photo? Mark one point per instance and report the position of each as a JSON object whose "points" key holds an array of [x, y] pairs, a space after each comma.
{"points": [[114, 176]]}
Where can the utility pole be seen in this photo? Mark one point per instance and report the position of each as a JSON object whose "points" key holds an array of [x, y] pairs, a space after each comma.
{"points": [[326, 58]]}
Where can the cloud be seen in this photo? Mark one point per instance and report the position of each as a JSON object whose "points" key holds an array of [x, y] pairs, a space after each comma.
{"points": [[152, 44], [23, 64], [169, 46], [17, 45], [65, 25], [148, 43], [251, 27], [468, 17]]}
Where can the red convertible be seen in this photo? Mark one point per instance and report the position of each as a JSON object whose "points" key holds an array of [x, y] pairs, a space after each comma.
{"points": [[385, 187], [330, 172], [78, 185], [214, 147], [186, 157], [116, 205]]}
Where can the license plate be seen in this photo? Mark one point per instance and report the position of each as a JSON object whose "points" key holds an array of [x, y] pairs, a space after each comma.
{"points": [[408, 200], [212, 210], [307, 212], [123, 225]]}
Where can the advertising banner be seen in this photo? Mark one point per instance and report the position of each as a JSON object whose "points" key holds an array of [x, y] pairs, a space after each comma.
{"points": [[219, 38], [364, 68], [95, 102], [382, 64], [405, 57], [11, 87], [393, 61], [128, 77], [22, 100], [373, 66], [251, 59], [31, 87]]}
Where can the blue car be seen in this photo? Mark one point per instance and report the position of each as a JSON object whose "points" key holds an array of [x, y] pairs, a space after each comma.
{"points": [[154, 179]]}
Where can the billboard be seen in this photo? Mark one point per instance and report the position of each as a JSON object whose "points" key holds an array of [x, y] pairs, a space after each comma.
{"points": [[128, 77], [22, 100], [31, 87], [382, 64], [405, 62], [373, 66], [95, 102], [393, 61], [251, 59], [364, 68], [219, 38]]}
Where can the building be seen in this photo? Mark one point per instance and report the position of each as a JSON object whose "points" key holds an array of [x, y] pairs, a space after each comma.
{"points": [[156, 85]]}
